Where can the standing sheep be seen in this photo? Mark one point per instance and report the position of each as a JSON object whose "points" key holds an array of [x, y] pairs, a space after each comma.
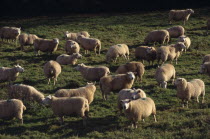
{"points": [[206, 58], [10, 33], [187, 90], [185, 40], [136, 67], [160, 36], [115, 83], [73, 36], [205, 68], [92, 73], [26, 39], [180, 15], [164, 73], [137, 110], [12, 108], [87, 92], [65, 59], [117, 50], [176, 31], [51, 70], [72, 47]]}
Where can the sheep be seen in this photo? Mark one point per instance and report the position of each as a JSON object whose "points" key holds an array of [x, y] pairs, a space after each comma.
{"points": [[89, 44], [51, 70], [185, 40], [136, 67], [164, 73], [91, 73], [87, 92], [136, 110], [26, 39], [170, 52], [66, 106], [176, 31], [180, 15], [10, 74], [25, 92], [10, 33], [73, 36], [72, 47], [205, 68], [65, 59], [206, 58], [146, 53], [115, 83], [117, 50], [160, 36], [45, 45], [12, 108], [207, 25], [187, 90]]}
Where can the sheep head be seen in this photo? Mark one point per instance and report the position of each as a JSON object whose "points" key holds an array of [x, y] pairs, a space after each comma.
{"points": [[137, 94], [47, 100], [19, 68], [125, 103], [130, 75]]}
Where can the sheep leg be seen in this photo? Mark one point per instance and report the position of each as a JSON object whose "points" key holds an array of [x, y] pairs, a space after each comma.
{"points": [[135, 124], [48, 81], [21, 121], [55, 80], [184, 22], [187, 104], [176, 61], [61, 120], [125, 57], [197, 99], [84, 121], [155, 118], [182, 103], [143, 120]]}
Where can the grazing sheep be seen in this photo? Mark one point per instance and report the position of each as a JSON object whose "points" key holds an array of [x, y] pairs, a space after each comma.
{"points": [[89, 44], [87, 92], [137, 110], [206, 58], [45, 45], [65, 59], [187, 90], [164, 73], [73, 36], [176, 31], [12, 108], [10, 33], [10, 74], [205, 68], [180, 15], [26, 39], [208, 25], [25, 92], [115, 83], [185, 40], [72, 47], [136, 67], [117, 50], [170, 52], [66, 106], [91, 73], [51, 70], [146, 53], [160, 36]]}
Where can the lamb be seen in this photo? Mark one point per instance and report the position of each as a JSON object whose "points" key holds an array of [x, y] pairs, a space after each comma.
{"points": [[26, 39], [136, 110], [187, 90], [170, 52], [87, 92], [176, 31], [89, 44], [115, 83], [180, 15], [10, 74], [45, 45], [164, 73], [146, 53], [91, 73], [136, 67], [207, 25], [65, 59], [72, 47], [76, 105], [51, 70], [25, 92], [73, 36], [160, 36], [205, 68], [12, 108], [206, 58], [10, 33], [185, 40], [117, 50]]}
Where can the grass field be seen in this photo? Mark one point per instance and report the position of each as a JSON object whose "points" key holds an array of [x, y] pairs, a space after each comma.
{"points": [[129, 28]]}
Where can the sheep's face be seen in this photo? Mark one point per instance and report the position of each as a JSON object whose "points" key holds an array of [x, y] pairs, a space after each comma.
{"points": [[77, 55], [179, 81], [190, 11], [149, 50], [137, 94], [131, 75], [164, 84], [180, 46], [19, 68], [47, 100], [79, 66], [125, 103], [17, 31], [56, 40], [182, 38], [202, 69]]}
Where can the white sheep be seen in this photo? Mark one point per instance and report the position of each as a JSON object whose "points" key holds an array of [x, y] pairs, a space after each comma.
{"points": [[87, 92], [45, 45], [72, 47], [164, 73], [10, 33], [73, 36], [160, 36], [186, 40], [176, 31], [12, 108], [187, 90], [116, 83], [205, 68], [51, 70], [137, 110], [180, 15], [65, 59], [117, 50], [26, 39], [91, 73], [66, 106]]}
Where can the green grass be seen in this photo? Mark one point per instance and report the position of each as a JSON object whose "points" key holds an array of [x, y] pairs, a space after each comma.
{"points": [[111, 29]]}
